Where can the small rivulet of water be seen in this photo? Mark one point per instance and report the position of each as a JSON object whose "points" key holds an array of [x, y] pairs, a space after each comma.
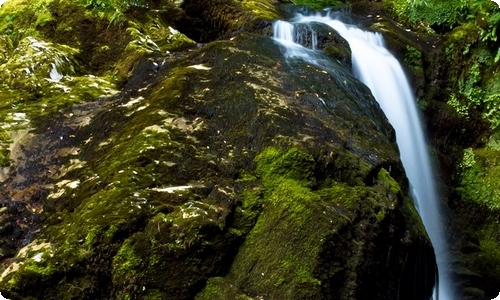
{"points": [[377, 68]]}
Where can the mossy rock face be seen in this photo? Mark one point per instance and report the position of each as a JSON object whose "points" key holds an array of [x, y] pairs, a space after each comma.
{"points": [[480, 210], [319, 243], [38, 79], [53, 51], [228, 165]]}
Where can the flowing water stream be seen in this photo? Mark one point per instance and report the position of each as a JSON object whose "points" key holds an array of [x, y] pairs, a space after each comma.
{"points": [[376, 67]]}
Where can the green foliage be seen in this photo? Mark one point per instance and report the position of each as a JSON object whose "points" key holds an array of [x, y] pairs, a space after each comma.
{"points": [[20, 18], [442, 15], [479, 86], [468, 159], [413, 57], [461, 108], [114, 10], [487, 261], [490, 257], [492, 110], [318, 4], [486, 15], [470, 85], [119, 5], [99, 4]]}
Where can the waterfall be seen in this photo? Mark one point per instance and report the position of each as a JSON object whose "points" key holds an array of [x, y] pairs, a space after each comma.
{"points": [[376, 67]]}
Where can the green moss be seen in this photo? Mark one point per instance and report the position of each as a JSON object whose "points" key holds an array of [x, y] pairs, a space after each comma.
{"points": [[337, 52], [92, 235], [291, 210], [280, 252], [173, 85], [220, 288], [4, 158], [34, 60], [247, 212], [479, 178], [290, 196], [35, 267], [261, 8], [43, 18], [155, 38], [414, 221], [275, 165], [126, 262], [489, 257], [110, 233], [40, 269], [39, 80], [6, 46], [384, 176]]}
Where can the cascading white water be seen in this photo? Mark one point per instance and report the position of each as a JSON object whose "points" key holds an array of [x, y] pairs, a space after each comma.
{"points": [[376, 67]]}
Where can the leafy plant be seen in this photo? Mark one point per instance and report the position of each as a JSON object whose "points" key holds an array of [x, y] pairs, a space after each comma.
{"points": [[486, 15], [439, 15], [121, 5]]}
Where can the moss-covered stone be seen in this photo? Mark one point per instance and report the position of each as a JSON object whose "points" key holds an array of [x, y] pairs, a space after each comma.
{"points": [[228, 162], [479, 177], [281, 255]]}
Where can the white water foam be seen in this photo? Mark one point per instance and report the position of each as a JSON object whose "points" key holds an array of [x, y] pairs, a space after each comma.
{"points": [[376, 67]]}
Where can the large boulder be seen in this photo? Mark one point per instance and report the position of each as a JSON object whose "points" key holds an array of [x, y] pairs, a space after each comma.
{"points": [[227, 172]]}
